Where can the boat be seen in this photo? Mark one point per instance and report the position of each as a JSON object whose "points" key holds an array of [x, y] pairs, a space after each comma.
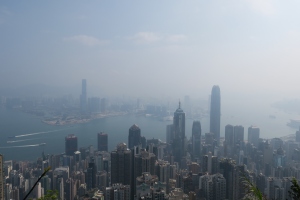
{"points": [[42, 144], [167, 118]]}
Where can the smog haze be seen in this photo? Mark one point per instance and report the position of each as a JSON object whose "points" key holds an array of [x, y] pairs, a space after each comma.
{"points": [[151, 48]]}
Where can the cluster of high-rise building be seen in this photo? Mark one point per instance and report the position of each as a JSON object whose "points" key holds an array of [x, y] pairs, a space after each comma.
{"points": [[204, 167], [92, 104]]}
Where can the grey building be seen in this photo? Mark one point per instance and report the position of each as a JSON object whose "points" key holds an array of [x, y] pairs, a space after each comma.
{"points": [[117, 191], [253, 135], [121, 165], [179, 137], [215, 112], [102, 141], [213, 187], [134, 137], [196, 139]]}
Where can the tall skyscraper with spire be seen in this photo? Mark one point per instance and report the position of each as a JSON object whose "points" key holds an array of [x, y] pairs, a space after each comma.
{"points": [[215, 112], [179, 122], [179, 136]]}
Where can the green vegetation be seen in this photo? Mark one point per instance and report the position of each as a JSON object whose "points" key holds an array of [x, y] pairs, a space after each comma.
{"points": [[45, 172], [294, 192], [252, 191], [51, 195]]}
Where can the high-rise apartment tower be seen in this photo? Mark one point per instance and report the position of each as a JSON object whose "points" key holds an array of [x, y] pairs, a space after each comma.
{"points": [[102, 141], [253, 135], [71, 145], [121, 165]]}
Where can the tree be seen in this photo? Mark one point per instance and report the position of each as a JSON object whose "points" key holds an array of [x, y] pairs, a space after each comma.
{"points": [[45, 172], [252, 191], [294, 192], [51, 195]]}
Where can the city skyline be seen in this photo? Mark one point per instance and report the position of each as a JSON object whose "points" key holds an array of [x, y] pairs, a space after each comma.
{"points": [[154, 100], [216, 176]]}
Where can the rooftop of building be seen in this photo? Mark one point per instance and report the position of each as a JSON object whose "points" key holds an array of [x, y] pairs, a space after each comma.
{"points": [[134, 127]]}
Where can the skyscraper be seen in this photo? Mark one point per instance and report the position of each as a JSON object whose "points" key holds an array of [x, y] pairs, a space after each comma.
{"points": [[229, 135], [90, 175], [170, 133], [1, 177], [118, 191], [134, 137], [143, 162], [210, 163], [83, 96], [227, 169], [71, 145], [253, 135], [179, 122], [215, 112], [229, 140], [238, 134], [121, 165], [179, 134], [213, 187], [102, 141], [196, 139]]}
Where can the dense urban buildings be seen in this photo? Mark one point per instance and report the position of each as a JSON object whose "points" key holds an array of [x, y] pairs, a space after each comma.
{"points": [[206, 166], [215, 112]]}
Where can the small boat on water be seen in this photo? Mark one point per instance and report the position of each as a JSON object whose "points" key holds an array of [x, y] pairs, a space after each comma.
{"points": [[167, 118]]}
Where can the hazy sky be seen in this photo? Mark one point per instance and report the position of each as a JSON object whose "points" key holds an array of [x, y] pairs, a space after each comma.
{"points": [[153, 48]]}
